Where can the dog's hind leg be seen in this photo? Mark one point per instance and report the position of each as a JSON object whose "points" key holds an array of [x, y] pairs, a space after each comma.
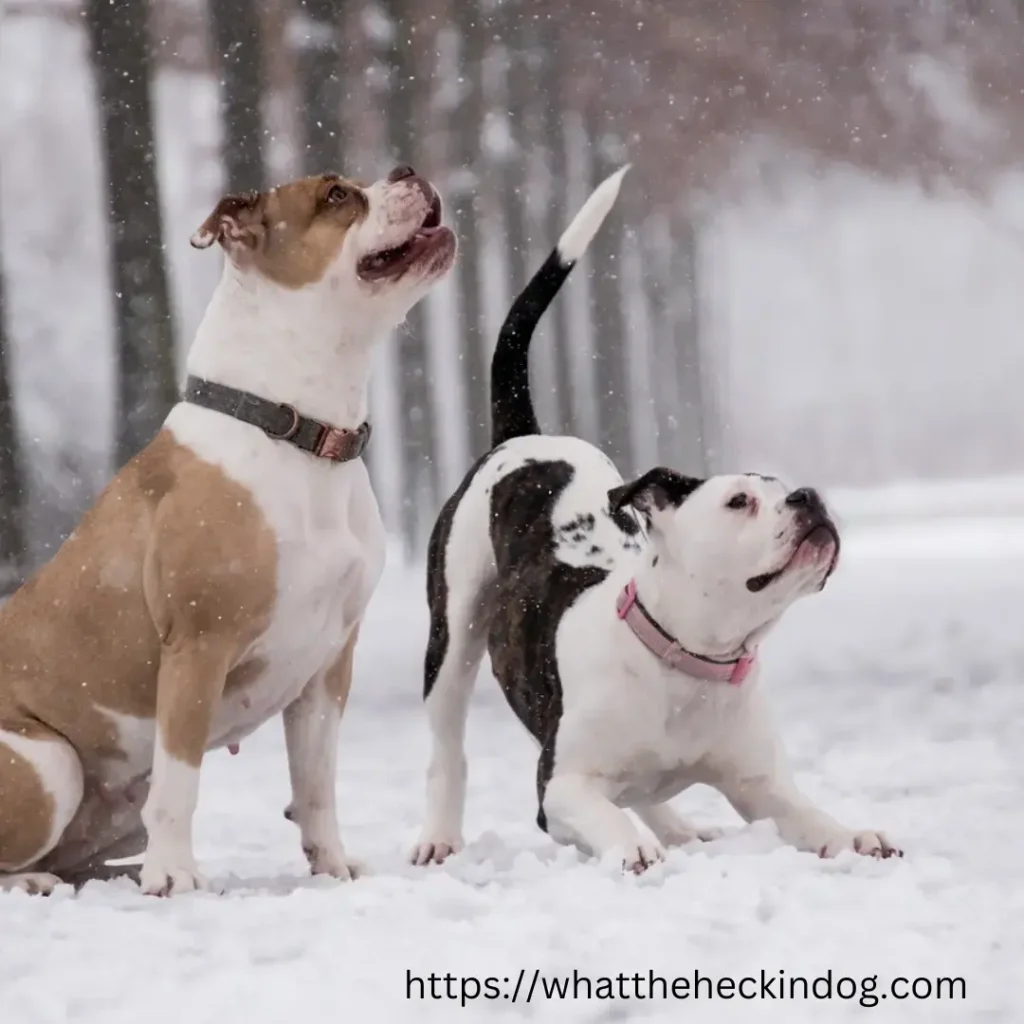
{"points": [[41, 786], [460, 570]]}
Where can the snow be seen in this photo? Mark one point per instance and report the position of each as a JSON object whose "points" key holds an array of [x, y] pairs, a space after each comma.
{"points": [[898, 693]]}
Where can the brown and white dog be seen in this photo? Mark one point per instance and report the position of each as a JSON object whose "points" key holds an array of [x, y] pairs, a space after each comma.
{"points": [[221, 577]]}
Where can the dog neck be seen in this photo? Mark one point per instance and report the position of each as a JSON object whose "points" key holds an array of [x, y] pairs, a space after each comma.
{"points": [[290, 346], [689, 618]]}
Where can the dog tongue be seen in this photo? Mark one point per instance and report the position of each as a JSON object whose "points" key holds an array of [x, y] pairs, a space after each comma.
{"points": [[233, 749]]}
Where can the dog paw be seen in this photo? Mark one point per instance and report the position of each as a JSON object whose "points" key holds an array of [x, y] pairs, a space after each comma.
{"points": [[427, 851], [324, 860], [159, 879], [35, 883], [868, 844], [637, 859]]}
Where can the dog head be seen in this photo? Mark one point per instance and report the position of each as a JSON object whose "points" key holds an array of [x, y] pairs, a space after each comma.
{"points": [[730, 554], [363, 248]]}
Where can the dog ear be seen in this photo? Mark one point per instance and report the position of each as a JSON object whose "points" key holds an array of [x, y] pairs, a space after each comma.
{"points": [[231, 224], [656, 490]]}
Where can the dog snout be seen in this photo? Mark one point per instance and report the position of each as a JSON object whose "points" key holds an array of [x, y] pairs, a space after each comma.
{"points": [[400, 173], [807, 500]]}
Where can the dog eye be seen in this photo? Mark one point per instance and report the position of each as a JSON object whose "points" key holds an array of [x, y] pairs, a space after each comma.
{"points": [[738, 501], [336, 195]]}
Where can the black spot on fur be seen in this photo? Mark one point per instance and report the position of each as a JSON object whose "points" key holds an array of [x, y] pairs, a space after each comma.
{"points": [[625, 521], [534, 591], [581, 524], [594, 549]]}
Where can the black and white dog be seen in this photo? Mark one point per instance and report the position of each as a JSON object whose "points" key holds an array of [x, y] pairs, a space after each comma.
{"points": [[622, 620]]}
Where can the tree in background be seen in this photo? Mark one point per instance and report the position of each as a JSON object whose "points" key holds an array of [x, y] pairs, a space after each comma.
{"points": [[611, 330], [552, 144], [147, 387], [321, 70], [235, 26], [517, 34], [12, 487], [405, 113], [467, 122]]}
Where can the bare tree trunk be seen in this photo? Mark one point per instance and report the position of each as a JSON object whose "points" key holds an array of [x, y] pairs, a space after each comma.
{"points": [[12, 486], [145, 336], [419, 441], [519, 90], [697, 442], [611, 340], [553, 134], [235, 26], [467, 127], [320, 74], [522, 139]]}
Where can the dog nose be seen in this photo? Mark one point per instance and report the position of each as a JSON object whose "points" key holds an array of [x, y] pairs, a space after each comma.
{"points": [[805, 498], [401, 172]]}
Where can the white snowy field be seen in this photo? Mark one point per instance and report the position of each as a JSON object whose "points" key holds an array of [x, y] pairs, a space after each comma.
{"points": [[900, 693]]}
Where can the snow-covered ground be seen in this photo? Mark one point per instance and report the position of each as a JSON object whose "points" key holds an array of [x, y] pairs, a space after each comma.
{"points": [[899, 690]]}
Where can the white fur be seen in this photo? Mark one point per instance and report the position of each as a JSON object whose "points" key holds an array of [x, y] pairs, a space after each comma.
{"points": [[135, 739], [311, 736], [60, 773], [578, 235], [633, 732], [169, 864]]}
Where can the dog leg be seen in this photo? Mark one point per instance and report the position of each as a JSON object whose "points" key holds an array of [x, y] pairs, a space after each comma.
{"points": [[447, 707], [189, 686], [458, 638], [671, 828], [579, 812], [753, 773], [41, 787], [311, 726]]}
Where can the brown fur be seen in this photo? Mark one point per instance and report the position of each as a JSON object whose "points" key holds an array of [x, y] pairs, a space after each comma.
{"points": [[291, 233], [168, 577], [26, 812]]}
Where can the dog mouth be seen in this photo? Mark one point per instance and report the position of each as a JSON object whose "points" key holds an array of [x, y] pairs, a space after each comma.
{"points": [[818, 539], [394, 262]]}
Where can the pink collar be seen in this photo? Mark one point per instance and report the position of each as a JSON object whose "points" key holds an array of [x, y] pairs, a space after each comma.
{"points": [[668, 650]]}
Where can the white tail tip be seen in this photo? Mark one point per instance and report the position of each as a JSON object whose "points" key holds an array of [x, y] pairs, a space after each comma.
{"points": [[579, 234]]}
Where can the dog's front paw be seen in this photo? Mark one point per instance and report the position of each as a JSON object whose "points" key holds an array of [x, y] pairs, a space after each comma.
{"points": [[645, 854], [324, 860], [868, 844], [160, 878], [434, 851]]}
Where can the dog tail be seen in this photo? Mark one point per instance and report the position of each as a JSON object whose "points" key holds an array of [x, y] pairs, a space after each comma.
{"points": [[512, 413]]}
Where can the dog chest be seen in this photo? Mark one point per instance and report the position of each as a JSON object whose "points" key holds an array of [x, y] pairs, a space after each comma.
{"points": [[330, 554], [642, 728], [322, 592]]}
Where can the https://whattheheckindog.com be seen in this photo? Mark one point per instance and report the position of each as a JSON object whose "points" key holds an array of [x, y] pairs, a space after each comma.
{"points": [[527, 986]]}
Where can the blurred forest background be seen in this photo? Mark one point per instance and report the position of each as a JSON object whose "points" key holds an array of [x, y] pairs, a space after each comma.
{"points": [[815, 266]]}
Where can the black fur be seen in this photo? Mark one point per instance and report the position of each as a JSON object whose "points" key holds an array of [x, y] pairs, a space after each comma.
{"points": [[658, 488], [534, 591], [437, 581], [512, 413]]}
